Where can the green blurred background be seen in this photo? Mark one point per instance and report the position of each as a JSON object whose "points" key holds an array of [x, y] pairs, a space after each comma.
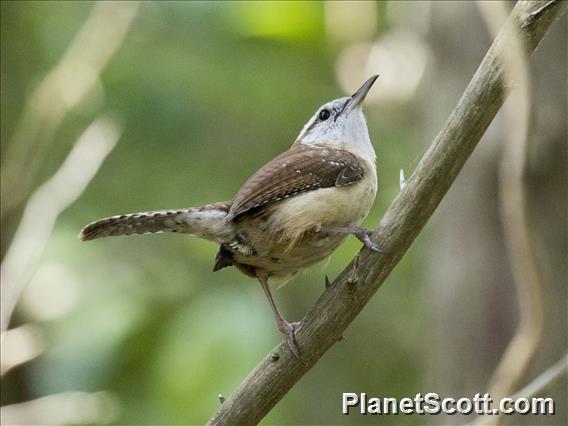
{"points": [[204, 94]]}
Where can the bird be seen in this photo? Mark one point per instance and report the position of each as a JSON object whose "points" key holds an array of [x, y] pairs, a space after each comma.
{"points": [[293, 212]]}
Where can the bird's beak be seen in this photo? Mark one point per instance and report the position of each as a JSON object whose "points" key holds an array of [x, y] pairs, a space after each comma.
{"points": [[359, 95]]}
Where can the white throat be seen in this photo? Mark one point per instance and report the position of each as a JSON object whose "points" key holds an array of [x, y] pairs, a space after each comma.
{"points": [[351, 135]]}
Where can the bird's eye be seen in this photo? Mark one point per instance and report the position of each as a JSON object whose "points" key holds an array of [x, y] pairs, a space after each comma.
{"points": [[324, 114]]}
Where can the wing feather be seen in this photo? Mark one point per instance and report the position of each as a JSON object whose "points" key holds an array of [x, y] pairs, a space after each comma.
{"points": [[297, 170]]}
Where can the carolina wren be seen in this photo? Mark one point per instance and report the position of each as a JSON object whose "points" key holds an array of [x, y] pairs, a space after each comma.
{"points": [[293, 212]]}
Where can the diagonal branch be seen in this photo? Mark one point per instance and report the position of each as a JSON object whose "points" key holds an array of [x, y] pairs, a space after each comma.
{"points": [[545, 380], [347, 296]]}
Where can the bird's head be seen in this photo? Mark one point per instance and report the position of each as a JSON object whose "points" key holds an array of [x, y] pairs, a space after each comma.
{"points": [[341, 124]]}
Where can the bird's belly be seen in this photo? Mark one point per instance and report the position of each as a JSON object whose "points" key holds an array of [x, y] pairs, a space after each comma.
{"points": [[279, 258], [289, 235]]}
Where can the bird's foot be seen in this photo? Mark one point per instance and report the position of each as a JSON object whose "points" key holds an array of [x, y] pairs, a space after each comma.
{"points": [[364, 235], [288, 328]]}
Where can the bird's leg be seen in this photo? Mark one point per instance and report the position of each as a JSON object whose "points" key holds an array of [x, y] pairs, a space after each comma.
{"points": [[284, 326], [362, 234]]}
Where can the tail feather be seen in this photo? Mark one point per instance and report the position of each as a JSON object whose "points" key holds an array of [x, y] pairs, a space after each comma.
{"points": [[206, 222]]}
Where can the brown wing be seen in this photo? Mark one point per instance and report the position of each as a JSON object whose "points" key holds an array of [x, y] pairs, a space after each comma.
{"points": [[297, 170]]}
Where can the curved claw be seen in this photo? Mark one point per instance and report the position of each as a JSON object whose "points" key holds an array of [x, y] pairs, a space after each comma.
{"points": [[362, 234], [367, 242], [288, 329]]}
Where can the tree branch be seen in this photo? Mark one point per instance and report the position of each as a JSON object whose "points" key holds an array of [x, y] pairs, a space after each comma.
{"points": [[349, 293]]}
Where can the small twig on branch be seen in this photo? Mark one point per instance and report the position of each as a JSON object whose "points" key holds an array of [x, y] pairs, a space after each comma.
{"points": [[341, 303]]}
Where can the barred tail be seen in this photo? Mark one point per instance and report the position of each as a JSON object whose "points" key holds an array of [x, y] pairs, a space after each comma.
{"points": [[206, 222]]}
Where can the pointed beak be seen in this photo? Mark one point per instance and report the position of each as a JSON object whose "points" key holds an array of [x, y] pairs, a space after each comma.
{"points": [[359, 95]]}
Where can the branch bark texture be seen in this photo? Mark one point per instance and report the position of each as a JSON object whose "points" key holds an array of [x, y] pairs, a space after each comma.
{"points": [[338, 306]]}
